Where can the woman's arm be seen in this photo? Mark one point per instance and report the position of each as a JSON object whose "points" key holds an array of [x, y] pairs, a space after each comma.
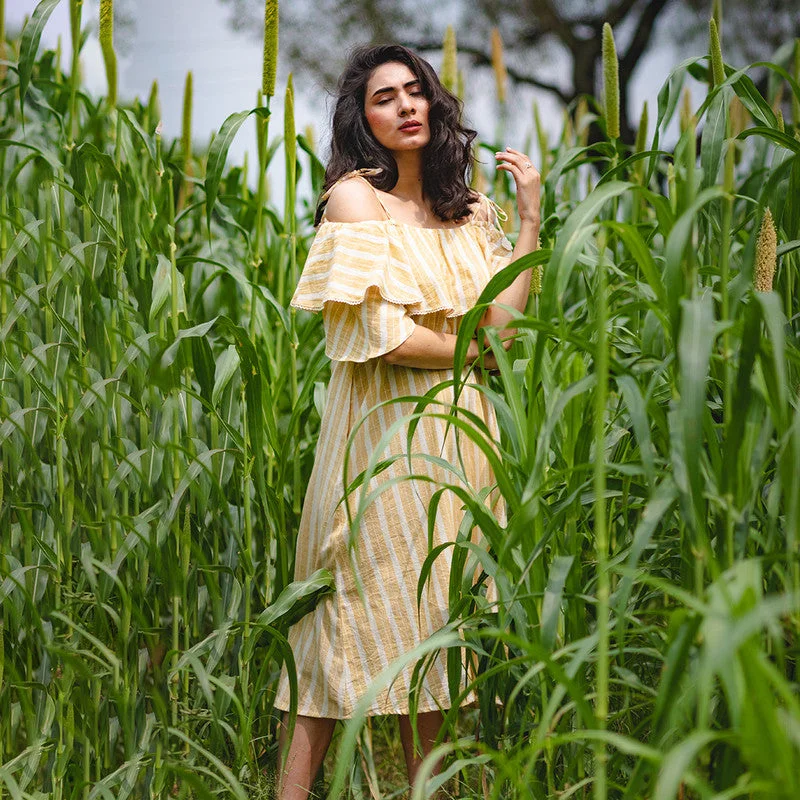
{"points": [[427, 349], [527, 181]]}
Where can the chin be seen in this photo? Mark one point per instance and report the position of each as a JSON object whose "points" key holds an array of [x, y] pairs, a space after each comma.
{"points": [[412, 143]]}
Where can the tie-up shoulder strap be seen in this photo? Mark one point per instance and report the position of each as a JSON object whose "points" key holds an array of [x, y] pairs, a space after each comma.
{"points": [[495, 213], [363, 173]]}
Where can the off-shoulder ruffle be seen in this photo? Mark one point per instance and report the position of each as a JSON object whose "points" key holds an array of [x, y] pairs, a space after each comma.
{"points": [[347, 259]]}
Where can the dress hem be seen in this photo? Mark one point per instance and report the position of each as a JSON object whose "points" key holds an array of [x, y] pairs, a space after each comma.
{"points": [[380, 712]]}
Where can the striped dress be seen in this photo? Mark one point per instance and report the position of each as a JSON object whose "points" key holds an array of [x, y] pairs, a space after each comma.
{"points": [[373, 282]]}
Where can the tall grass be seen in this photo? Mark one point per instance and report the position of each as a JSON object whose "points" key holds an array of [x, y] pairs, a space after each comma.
{"points": [[159, 407], [145, 399]]}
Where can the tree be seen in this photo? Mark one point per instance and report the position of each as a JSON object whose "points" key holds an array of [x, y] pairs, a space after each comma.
{"points": [[315, 37]]}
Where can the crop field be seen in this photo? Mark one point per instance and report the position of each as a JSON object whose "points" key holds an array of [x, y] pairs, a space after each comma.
{"points": [[159, 410]]}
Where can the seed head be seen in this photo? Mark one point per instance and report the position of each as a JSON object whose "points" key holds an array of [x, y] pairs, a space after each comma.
{"points": [[777, 101], [766, 254], [499, 65], [509, 209], [270, 67], [449, 60], [641, 134], [107, 47], [289, 133], [308, 132], [686, 109], [715, 51], [478, 182], [672, 189], [541, 138], [536, 279], [568, 131], [610, 82], [186, 132], [641, 143], [153, 104], [738, 116], [107, 23], [582, 121]]}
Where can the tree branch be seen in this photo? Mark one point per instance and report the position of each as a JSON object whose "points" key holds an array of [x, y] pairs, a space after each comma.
{"points": [[481, 58], [616, 13], [557, 24], [642, 35]]}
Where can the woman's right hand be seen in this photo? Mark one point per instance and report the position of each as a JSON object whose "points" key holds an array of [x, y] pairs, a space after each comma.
{"points": [[528, 182]]}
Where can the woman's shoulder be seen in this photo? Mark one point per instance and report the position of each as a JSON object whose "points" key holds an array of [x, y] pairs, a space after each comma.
{"points": [[353, 199]]}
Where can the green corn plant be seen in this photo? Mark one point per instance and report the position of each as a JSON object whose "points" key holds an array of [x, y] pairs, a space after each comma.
{"points": [[107, 47], [268, 73], [75, 8], [541, 139], [186, 139], [717, 73], [610, 83], [766, 254], [449, 71], [154, 448], [500, 82]]}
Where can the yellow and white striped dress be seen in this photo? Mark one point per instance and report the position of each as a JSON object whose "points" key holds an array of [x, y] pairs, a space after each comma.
{"points": [[373, 282]]}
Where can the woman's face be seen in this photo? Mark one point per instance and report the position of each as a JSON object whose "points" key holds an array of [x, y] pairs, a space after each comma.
{"points": [[395, 108]]}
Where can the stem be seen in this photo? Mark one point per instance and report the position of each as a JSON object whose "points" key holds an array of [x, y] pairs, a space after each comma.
{"points": [[724, 263], [259, 257], [75, 7], [247, 558], [601, 532]]}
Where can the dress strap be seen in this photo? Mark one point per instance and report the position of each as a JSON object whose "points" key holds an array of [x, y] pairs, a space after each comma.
{"points": [[499, 211], [363, 173]]}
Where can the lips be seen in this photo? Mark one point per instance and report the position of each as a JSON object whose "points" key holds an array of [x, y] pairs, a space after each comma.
{"points": [[411, 125]]}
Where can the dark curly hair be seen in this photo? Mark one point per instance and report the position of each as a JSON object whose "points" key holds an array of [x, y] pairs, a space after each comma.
{"points": [[447, 159]]}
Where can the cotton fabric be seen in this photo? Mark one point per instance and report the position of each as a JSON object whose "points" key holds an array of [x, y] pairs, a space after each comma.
{"points": [[373, 282]]}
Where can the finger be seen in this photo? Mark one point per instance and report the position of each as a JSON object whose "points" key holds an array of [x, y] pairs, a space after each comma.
{"points": [[520, 172], [514, 169], [521, 161], [506, 158], [511, 156], [517, 153]]}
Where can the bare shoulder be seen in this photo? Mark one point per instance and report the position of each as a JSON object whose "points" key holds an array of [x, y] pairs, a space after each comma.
{"points": [[353, 200]]}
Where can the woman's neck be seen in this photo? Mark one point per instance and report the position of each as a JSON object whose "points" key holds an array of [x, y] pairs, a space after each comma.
{"points": [[409, 176]]}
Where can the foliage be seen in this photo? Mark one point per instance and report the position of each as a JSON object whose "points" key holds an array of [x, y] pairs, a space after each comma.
{"points": [[158, 416]]}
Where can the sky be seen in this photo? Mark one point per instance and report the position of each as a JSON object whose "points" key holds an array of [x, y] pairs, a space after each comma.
{"points": [[171, 37]]}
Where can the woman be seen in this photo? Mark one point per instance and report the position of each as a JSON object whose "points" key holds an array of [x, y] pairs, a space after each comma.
{"points": [[402, 252]]}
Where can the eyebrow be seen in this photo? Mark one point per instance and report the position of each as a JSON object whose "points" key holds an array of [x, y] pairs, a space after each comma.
{"points": [[392, 88]]}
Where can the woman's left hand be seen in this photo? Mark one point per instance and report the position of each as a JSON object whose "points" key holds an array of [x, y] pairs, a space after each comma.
{"points": [[527, 178]]}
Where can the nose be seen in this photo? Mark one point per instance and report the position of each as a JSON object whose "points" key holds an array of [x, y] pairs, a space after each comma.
{"points": [[406, 104]]}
